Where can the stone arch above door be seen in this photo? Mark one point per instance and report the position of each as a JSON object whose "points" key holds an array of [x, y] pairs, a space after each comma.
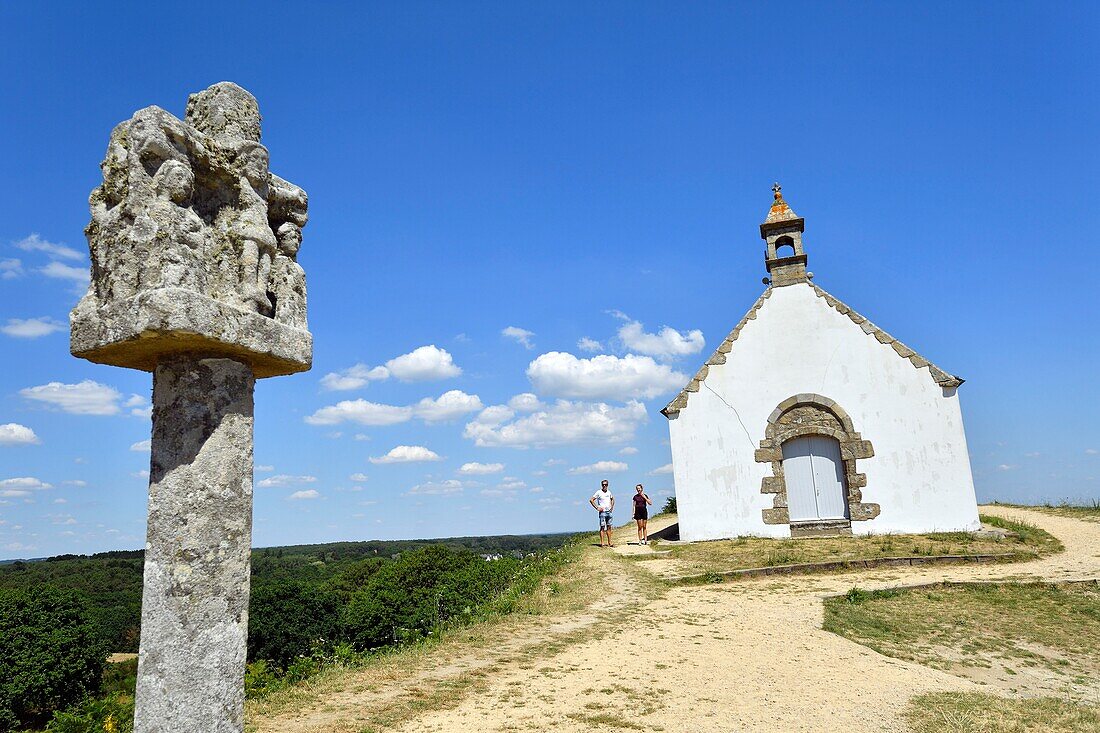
{"points": [[812, 414]]}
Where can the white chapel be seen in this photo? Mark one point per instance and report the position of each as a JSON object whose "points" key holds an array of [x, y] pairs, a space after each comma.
{"points": [[811, 420]]}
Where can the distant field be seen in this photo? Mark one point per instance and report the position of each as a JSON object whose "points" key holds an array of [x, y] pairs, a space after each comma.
{"points": [[1088, 512], [112, 580], [710, 558]]}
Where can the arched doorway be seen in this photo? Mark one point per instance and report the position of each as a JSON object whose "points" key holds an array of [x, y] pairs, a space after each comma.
{"points": [[816, 486], [823, 468]]}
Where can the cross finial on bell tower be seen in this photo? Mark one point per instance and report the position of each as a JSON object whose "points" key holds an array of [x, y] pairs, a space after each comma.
{"points": [[782, 230]]}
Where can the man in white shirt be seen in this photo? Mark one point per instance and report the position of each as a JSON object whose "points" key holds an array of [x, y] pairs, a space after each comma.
{"points": [[604, 503]]}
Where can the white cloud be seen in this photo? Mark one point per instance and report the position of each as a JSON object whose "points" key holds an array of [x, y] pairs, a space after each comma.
{"points": [[436, 488], [592, 346], [511, 483], [1091, 451], [10, 269], [24, 482], [84, 398], [283, 479], [424, 364], [35, 243], [628, 451], [447, 406], [666, 343], [354, 377], [142, 446], [495, 415], [15, 434], [519, 335], [561, 374], [265, 469], [601, 467], [75, 482], [362, 412], [1006, 467], [61, 271], [140, 474], [525, 402], [60, 500], [407, 454], [536, 489], [563, 423], [139, 406], [31, 328], [358, 477], [667, 468], [14, 493], [480, 469], [306, 494]]}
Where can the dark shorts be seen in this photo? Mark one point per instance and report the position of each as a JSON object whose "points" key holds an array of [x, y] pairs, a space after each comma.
{"points": [[641, 512]]}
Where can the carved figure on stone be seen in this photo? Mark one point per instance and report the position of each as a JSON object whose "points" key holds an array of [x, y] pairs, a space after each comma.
{"points": [[288, 293], [186, 243]]}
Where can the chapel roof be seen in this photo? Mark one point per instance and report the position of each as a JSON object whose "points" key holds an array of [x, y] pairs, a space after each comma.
{"points": [[939, 376]]}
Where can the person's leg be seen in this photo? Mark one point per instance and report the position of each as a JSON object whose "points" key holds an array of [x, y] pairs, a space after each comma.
{"points": [[639, 523], [643, 529]]}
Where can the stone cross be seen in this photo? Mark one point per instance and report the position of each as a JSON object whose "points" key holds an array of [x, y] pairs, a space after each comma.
{"points": [[194, 246]]}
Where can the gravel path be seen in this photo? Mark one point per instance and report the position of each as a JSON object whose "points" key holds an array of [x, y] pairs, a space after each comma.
{"points": [[745, 656]]}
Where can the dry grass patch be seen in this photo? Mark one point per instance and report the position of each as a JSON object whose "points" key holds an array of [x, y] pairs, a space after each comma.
{"points": [[1024, 542], [1028, 638], [960, 712]]}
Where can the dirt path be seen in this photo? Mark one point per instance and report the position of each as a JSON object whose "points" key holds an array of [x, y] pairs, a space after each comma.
{"points": [[743, 656]]}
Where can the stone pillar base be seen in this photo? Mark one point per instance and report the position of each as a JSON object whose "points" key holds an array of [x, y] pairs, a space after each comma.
{"points": [[194, 611]]}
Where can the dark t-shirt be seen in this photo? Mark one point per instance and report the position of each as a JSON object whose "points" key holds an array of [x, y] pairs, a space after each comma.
{"points": [[639, 501]]}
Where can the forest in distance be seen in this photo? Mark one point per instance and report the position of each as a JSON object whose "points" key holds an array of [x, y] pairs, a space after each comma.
{"points": [[112, 581]]}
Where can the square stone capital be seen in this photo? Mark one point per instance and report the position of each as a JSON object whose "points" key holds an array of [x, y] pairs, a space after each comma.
{"points": [[138, 332]]}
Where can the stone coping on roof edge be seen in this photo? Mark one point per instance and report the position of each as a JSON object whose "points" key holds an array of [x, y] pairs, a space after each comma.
{"points": [[938, 375]]}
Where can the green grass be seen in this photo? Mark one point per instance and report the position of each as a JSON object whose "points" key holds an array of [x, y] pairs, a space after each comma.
{"points": [[707, 561], [959, 712], [992, 632]]}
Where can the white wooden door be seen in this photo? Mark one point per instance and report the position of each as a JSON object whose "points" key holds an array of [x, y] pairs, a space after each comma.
{"points": [[814, 474], [798, 472]]}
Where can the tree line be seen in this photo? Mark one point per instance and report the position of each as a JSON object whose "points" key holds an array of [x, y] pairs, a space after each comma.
{"points": [[60, 617]]}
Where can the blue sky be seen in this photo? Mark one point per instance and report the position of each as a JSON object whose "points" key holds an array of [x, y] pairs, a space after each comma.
{"points": [[575, 171]]}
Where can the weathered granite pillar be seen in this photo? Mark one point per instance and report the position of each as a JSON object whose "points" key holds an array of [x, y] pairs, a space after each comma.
{"points": [[194, 246], [194, 614]]}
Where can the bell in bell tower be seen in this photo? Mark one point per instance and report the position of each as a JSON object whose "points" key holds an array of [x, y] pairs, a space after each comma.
{"points": [[782, 230]]}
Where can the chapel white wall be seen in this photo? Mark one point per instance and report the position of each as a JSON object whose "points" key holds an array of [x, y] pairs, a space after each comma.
{"points": [[920, 473]]}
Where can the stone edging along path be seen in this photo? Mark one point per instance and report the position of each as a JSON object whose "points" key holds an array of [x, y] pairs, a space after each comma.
{"points": [[820, 567]]}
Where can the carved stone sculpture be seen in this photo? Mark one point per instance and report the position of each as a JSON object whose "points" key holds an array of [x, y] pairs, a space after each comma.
{"points": [[194, 247], [186, 245]]}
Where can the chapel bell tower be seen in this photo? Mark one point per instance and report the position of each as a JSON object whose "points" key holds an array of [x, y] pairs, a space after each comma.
{"points": [[782, 230]]}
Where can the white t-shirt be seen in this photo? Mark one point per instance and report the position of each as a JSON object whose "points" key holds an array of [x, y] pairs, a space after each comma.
{"points": [[603, 500]]}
